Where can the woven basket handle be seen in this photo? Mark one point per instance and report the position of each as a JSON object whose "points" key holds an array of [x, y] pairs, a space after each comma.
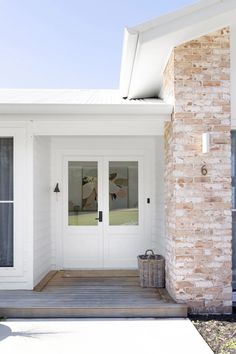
{"points": [[149, 253]]}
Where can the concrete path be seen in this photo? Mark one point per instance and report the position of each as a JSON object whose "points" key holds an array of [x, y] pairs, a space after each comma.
{"points": [[161, 336]]}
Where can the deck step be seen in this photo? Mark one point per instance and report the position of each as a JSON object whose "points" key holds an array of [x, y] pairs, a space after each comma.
{"points": [[90, 294], [170, 311]]}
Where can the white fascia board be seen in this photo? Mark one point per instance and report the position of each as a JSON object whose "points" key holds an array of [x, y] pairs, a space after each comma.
{"points": [[158, 108], [156, 41], [218, 14], [128, 55], [182, 12]]}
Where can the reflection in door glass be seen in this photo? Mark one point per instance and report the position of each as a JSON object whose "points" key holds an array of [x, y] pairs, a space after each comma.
{"points": [[82, 193], [123, 193]]}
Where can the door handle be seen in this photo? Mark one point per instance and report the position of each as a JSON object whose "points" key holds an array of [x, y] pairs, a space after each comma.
{"points": [[99, 216]]}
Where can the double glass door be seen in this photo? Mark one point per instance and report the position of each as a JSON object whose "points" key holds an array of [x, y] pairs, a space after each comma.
{"points": [[103, 217]]}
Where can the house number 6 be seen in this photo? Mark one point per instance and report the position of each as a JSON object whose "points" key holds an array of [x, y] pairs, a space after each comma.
{"points": [[204, 170]]}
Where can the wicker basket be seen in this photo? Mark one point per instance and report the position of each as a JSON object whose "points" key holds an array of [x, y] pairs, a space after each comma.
{"points": [[151, 270]]}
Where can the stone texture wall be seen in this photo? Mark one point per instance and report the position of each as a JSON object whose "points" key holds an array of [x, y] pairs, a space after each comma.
{"points": [[198, 208]]}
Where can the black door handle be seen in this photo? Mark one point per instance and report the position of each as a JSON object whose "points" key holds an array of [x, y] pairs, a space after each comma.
{"points": [[99, 216]]}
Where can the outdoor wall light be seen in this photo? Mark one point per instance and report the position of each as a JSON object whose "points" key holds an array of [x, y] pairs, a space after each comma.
{"points": [[205, 142], [205, 150], [56, 189]]}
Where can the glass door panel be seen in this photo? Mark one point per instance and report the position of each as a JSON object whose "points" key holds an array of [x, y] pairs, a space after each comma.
{"points": [[123, 193], [6, 202], [82, 193]]}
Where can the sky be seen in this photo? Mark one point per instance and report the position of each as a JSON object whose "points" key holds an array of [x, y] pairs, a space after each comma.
{"points": [[69, 43]]}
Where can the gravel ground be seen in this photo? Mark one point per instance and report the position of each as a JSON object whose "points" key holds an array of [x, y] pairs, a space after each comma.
{"points": [[218, 331]]}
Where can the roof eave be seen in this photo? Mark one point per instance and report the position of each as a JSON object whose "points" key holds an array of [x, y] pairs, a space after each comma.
{"points": [[191, 22]]}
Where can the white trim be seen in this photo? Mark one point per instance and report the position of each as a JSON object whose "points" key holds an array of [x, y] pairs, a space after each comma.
{"points": [[30, 201], [102, 127], [130, 43], [186, 11], [139, 108]]}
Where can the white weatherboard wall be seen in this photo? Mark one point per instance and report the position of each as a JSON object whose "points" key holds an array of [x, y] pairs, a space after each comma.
{"points": [[42, 207]]}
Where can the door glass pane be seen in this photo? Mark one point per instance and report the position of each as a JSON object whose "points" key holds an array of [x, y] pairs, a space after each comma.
{"points": [[6, 169], [82, 193], [123, 193]]}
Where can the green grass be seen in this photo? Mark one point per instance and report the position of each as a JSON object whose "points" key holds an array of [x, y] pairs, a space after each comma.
{"points": [[116, 217]]}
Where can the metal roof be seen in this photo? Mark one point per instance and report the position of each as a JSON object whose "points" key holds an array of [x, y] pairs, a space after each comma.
{"points": [[65, 101], [67, 96]]}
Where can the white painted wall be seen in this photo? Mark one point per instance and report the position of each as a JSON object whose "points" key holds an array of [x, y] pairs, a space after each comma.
{"points": [[42, 207]]}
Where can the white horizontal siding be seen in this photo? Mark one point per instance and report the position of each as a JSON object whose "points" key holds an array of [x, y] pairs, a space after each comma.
{"points": [[42, 208]]}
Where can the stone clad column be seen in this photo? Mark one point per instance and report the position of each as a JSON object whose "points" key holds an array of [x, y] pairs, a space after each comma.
{"points": [[198, 208]]}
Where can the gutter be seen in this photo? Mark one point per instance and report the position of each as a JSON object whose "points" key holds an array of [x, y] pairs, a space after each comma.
{"points": [[24, 111]]}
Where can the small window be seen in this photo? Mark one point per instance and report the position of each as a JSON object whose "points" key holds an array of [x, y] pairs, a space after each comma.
{"points": [[6, 202]]}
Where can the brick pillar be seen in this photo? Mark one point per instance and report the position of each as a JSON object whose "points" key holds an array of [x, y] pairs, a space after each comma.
{"points": [[198, 208]]}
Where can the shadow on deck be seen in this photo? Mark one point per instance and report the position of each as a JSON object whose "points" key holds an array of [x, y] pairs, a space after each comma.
{"points": [[90, 294]]}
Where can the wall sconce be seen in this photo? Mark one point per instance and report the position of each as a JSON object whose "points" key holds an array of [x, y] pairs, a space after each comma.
{"points": [[205, 142], [56, 189], [205, 150]]}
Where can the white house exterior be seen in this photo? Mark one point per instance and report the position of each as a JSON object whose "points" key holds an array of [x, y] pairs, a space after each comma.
{"points": [[142, 155]]}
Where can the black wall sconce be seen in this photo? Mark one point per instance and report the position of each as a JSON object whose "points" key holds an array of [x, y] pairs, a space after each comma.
{"points": [[56, 189]]}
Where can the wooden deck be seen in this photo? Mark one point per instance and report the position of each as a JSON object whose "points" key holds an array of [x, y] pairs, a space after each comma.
{"points": [[70, 294]]}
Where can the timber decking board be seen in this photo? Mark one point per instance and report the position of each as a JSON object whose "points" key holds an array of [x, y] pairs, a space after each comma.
{"points": [[113, 295]]}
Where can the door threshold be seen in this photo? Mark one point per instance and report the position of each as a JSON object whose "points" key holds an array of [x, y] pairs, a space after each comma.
{"points": [[95, 273]]}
